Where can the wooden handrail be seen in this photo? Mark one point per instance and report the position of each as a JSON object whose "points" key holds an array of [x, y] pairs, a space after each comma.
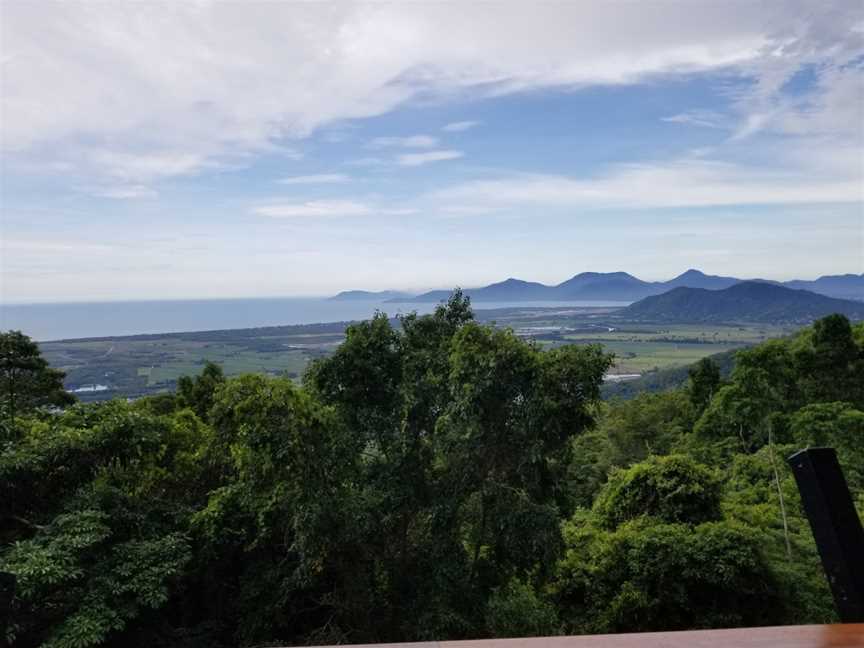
{"points": [[805, 636], [835, 525]]}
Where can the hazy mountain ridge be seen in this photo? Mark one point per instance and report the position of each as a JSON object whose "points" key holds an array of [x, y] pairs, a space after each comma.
{"points": [[845, 286], [751, 301], [367, 295], [617, 286]]}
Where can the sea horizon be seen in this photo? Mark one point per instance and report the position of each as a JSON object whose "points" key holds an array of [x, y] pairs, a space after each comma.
{"points": [[52, 321]]}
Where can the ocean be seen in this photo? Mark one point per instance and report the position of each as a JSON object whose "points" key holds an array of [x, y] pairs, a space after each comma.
{"points": [[45, 322]]}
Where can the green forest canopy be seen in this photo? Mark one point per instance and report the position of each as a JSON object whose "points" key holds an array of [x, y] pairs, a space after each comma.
{"points": [[439, 480]]}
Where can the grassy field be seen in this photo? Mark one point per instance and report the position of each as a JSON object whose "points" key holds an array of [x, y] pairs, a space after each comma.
{"points": [[148, 364], [638, 357], [233, 362], [641, 348], [684, 333], [131, 366]]}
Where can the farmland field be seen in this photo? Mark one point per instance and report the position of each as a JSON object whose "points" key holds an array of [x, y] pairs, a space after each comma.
{"points": [[147, 364], [641, 348]]}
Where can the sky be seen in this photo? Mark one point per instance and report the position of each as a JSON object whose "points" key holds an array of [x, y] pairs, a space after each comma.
{"points": [[220, 149]]}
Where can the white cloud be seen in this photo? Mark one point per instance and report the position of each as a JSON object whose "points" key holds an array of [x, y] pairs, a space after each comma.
{"points": [[314, 208], [458, 127], [398, 211], [470, 210], [316, 178], [172, 89], [327, 208], [834, 107], [146, 166], [684, 183], [418, 159], [123, 192], [412, 141], [51, 246], [367, 162], [704, 118]]}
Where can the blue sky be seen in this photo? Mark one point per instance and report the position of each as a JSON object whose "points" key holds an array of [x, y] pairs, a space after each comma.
{"points": [[252, 149]]}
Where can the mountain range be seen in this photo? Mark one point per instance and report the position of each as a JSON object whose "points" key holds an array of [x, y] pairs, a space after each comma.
{"points": [[365, 295], [750, 301], [615, 286]]}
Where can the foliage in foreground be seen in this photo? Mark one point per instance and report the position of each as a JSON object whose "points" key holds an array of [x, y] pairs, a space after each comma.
{"points": [[437, 480]]}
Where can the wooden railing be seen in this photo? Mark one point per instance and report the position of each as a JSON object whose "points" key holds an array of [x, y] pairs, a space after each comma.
{"points": [[836, 527], [808, 636]]}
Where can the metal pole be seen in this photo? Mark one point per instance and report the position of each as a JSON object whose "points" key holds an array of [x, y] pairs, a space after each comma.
{"points": [[836, 527], [7, 593]]}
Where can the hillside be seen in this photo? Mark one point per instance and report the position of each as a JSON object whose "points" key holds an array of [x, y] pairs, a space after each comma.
{"points": [[750, 301], [512, 290], [618, 286], [586, 286], [698, 279], [847, 286]]}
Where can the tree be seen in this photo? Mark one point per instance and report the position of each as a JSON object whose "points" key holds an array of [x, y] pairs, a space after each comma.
{"points": [[751, 496], [830, 362], [504, 443], [628, 431], [464, 438], [198, 392], [704, 381], [93, 510], [752, 408], [517, 610], [433, 478], [655, 553], [673, 489], [648, 424], [837, 425], [646, 575], [284, 531], [26, 380]]}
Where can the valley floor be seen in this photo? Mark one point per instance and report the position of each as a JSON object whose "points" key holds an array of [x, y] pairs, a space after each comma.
{"points": [[133, 366]]}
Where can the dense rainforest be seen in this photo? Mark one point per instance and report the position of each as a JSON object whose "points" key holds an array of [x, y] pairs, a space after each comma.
{"points": [[436, 479]]}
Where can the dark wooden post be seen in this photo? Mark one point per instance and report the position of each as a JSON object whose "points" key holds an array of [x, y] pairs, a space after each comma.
{"points": [[836, 527], [7, 593]]}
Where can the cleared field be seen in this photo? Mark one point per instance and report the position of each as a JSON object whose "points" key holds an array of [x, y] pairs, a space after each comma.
{"points": [[138, 366], [638, 357], [683, 333], [291, 363], [639, 348]]}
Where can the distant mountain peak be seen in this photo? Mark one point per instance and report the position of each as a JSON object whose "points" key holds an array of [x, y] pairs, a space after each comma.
{"points": [[758, 285], [594, 275], [511, 282], [367, 295]]}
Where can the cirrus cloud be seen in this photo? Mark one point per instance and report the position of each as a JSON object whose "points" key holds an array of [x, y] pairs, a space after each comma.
{"points": [[460, 126], [327, 208], [688, 182], [316, 178], [412, 141], [419, 159]]}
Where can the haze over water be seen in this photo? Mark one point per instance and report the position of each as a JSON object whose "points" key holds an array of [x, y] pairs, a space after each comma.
{"points": [[102, 319]]}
